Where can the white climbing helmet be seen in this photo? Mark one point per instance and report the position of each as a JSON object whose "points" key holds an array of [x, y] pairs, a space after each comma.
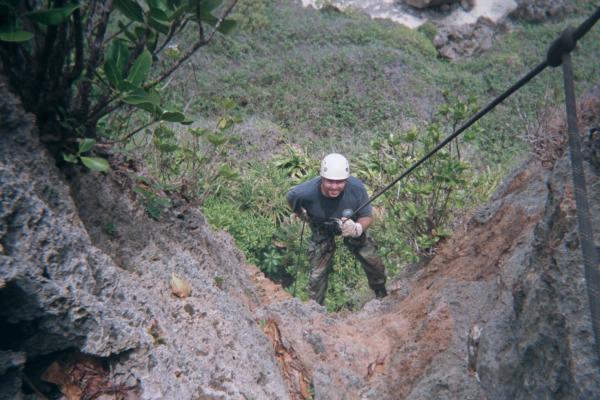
{"points": [[335, 166]]}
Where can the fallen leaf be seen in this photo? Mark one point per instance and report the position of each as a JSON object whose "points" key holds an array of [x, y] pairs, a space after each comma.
{"points": [[180, 287], [56, 374], [376, 366]]}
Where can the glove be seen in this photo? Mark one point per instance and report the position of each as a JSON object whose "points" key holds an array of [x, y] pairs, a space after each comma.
{"points": [[351, 228], [301, 215]]}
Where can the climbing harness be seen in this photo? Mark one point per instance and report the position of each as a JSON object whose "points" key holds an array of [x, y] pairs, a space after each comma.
{"points": [[332, 226]]}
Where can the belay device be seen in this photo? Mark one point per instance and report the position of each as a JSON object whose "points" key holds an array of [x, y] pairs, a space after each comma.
{"points": [[334, 225]]}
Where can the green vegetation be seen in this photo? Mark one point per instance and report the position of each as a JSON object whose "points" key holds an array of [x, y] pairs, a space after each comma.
{"points": [[337, 82], [339, 79], [411, 219], [234, 127], [75, 64]]}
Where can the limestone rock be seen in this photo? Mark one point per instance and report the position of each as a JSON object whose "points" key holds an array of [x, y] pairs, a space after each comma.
{"points": [[429, 3], [543, 10], [69, 282], [455, 42]]}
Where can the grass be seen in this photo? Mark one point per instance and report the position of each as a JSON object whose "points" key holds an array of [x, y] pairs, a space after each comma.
{"points": [[331, 81]]}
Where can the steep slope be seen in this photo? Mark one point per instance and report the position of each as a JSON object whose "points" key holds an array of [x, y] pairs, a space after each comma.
{"points": [[500, 312], [69, 284]]}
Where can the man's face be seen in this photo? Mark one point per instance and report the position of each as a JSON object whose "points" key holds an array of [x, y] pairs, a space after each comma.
{"points": [[332, 188]]}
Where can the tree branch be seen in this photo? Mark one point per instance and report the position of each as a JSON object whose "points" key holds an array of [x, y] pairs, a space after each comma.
{"points": [[195, 47], [121, 30], [172, 31], [95, 45], [78, 42], [132, 133]]}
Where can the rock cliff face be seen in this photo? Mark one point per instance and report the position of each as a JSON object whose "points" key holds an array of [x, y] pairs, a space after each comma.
{"points": [[69, 282], [500, 312]]}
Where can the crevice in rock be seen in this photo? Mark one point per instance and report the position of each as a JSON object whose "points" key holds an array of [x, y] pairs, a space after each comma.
{"points": [[299, 382], [74, 375]]}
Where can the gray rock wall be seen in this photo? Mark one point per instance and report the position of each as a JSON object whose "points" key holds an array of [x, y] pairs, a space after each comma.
{"points": [[67, 282], [539, 344]]}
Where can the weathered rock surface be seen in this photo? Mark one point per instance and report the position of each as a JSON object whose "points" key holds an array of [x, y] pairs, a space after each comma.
{"points": [[465, 28], [543, 10], [429, 3], [501, 312], [71, 282], [455, 42]]}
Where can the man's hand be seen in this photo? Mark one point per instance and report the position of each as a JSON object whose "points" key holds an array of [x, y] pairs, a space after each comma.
{"points": [[301, 215], [351, 228]]}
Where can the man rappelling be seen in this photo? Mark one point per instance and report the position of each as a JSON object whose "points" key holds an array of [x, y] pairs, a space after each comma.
{"points": [[326, 203]]}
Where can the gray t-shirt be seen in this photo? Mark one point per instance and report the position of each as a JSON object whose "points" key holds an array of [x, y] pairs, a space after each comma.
{"points": [[308, 196]]}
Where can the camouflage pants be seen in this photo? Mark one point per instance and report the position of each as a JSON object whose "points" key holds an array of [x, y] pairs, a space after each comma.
{"points": [[321, 249]]}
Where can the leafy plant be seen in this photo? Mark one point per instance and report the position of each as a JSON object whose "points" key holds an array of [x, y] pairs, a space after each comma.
{"points": [[73, 63], [155, 202], [423, 203], [111, 230], [92, 163], [295, 164], [196, 161]]}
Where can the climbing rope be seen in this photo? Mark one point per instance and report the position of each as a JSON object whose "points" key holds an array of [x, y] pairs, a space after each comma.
{"points": [[586, 237], [297, 262], [564, 44], [558, 54]]}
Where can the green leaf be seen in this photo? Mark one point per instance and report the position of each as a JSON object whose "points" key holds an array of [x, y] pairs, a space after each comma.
{"points": [[224, 122], [178, 13], [172, 116], [16, 36], [54, 16], [159, 15], [210, 5], [160, 4], [70, 158], [140, 68], [127, 32], [115, 63], [130, 9], [142, 191], [112, 74], [142, 97], [207, 17], [198, 131], [86, 145], [167, 147], [226, 172], [173, 4], [227, 26], [160, 26], [216, 139], [95, 163]]}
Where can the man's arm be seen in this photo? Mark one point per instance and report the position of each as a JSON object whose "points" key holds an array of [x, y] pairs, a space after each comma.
{"points": [[294, 202], [365, 222]]}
